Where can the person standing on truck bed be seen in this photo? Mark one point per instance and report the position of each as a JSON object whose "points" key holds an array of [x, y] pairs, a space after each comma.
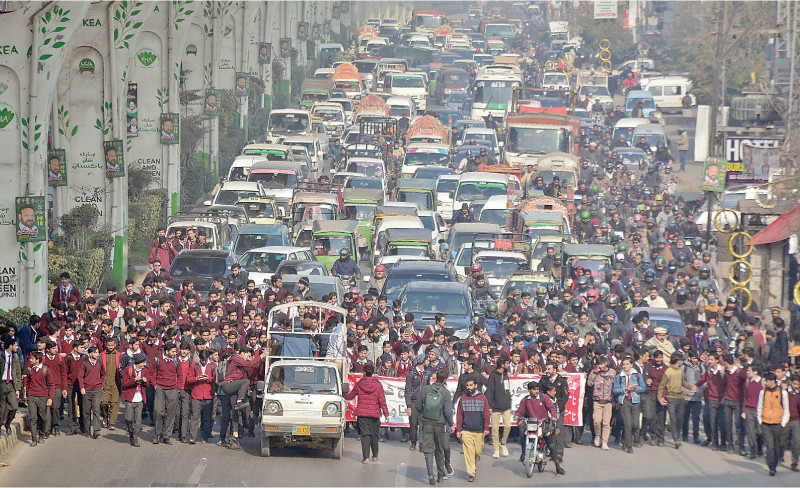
{"points": [[371, 402]]}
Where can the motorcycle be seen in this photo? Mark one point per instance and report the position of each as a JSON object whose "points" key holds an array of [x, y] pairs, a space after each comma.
{"points": [[535, 447]]}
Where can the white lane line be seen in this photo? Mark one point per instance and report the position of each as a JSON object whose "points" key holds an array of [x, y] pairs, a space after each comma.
{"points": [[400, 480], [198, 471]]}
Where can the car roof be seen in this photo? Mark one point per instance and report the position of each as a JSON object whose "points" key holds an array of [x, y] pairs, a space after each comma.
{"points": [[408, 234], [277, 249], [447, 286], [348, 226], [485, 177], [261, 228], [211, 253], [294, 278], [413, 266], [478, 130], [239, 185]]}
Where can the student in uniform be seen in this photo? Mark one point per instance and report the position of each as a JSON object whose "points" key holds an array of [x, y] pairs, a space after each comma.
{"points": [[40, 390], [134, 381]]}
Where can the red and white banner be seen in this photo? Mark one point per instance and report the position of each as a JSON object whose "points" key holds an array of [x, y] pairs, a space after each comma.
{"points": [[394, 389]]}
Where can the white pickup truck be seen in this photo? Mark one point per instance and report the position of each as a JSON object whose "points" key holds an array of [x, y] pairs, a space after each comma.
{"points": [[303, 399]]}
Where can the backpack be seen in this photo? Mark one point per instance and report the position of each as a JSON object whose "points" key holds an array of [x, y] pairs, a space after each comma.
{"points": [[221, 370], [432, 405]]}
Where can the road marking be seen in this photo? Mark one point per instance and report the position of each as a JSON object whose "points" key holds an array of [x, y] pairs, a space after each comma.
{"points": [[400, 480], [194, 479]]}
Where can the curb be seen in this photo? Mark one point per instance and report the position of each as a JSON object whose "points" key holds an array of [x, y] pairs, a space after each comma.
{"points": [[7, 442]]}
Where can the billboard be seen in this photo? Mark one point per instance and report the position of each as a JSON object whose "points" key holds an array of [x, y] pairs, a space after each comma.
{"points": [[605, 9], [733, 149]]}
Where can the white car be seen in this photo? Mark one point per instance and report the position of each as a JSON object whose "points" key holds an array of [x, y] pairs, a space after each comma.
{"points": [[434, 223], [232, 191], [261, 262], [445, 187], [313, 148]]}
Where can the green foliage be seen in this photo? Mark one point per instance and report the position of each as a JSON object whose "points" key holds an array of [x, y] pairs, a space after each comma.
{"points": [[52, 21], [16, 316], [146, 213], [87, 268], [64, 127], [78, 225], [126, 22], [592, 31]]}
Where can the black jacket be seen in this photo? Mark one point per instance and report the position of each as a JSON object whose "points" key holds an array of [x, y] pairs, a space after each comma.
{"points": [[562, 390], [414, 382], [497, 393]]}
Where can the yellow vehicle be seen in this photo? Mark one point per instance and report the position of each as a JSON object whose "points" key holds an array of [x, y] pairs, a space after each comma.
{"points": [[261, 210]]}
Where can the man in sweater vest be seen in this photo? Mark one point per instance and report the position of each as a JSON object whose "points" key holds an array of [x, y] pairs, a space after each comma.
{"points": [[732, 403], [91, 378], [773, 416], [58, 374], [472, 424], [40, 397], [134, 379], [164, 375], [74, 398], [670, 395], [752, 390], [184, 390]]}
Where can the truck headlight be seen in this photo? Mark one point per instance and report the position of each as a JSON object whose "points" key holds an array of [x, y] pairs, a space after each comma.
{"points": [[331, 409], [273, 408]]}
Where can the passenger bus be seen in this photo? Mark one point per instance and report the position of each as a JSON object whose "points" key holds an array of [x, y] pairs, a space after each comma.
{"points": [[494, 86]]}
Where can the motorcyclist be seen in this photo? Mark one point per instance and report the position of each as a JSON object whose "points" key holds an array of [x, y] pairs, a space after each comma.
{"points": [[480, 290], [474, 272], [538, 406], [344, 266], [490, 319]]}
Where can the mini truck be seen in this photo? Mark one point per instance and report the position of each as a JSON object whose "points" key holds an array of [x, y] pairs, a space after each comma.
{"points": [[303, 402]]}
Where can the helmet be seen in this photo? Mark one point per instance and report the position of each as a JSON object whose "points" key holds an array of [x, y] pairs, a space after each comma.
{"points": [[541, 314], [592, 293], [604, 291], [693, 283], [650, 274], [593, 209], [672, 265], [552, 289], [622, 247], [659, 199], [595, 189], [576, 304], [639, 336], [345, 253], [682, 293], [638, 218], [380, 267], [681, 260], [583, 281], [541, 290], [704, 269], [613, 300], [528, 328], [475, 267], [558, 258], [491, 309], [646, 262], [585, 215], [528, 316], [660, 262], [706, 253]]}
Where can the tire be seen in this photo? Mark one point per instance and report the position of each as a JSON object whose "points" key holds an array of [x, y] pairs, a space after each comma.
{"points": [[265, 447], [529, 463], [338, 447]]}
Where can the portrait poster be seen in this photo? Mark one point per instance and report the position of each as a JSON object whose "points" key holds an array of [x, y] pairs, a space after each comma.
{"points": [[113, 154], [242, 84], [31, 212], [132, 110], [169, 128], [714, 174], [212, 103], [57, 167], [286, 47], [264, 52]]}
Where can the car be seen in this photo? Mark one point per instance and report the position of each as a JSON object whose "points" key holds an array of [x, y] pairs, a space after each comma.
{"points": [[253, 236], [231, 192], [631, 157], [426, 299], [302, 267], [262, 262], [448, 116], [458, 100], [661, 317], [432, 172], [201, 266], [482, 136], [406, 271]]}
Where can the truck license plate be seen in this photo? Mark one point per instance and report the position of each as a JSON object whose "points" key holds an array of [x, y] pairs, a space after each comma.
{"points": [[301, 430]]}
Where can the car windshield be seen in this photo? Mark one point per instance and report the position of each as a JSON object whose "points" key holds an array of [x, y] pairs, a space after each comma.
{"points": [[230, 197], [303, 379], [277, 179], [523, 286], [537, 141], [500, 267], [434, 302], [431, 173], [458, 97], [329, 115], [245, 242], [494, 216], [398, 110], [261, 262], [499, 30], [312, 211], [540, 250], [330, 245], [480, 137], [289, 121], [473, 190], [426, 158], [406, 250], [408, 82], [494, 91], [365, 183], [428, 222], [653, 140], [445, 186], [373, 170], [423, 199], [397, 279], [364, 67], [646, 103], [359, 212], [198, 266], [258, 210], [594, 91], [555, 79]]}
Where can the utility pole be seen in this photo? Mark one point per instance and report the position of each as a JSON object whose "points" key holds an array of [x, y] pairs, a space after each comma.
{"points": [[717, 80]]}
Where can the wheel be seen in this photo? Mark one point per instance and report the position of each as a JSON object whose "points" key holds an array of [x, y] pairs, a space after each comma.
{"points": [[265, 447], [338, 446], [541, 466], [529, 463]]}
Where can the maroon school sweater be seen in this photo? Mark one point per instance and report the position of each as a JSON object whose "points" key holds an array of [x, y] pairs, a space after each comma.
{"points": [[58, 370], [91, 376], [715, 388], [752, 389], [40, 384], [164, 372], [734, 385]]}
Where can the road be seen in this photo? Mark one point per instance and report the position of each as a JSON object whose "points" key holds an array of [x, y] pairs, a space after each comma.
{"points": [[66, 463]]}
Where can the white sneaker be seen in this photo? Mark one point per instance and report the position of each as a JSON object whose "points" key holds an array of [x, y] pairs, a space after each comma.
{"points": [[503, 451], [597, 441], [496, 455], [605, 447]]}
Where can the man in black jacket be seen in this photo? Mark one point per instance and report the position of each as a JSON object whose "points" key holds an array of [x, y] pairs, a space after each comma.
{"points": [[550, 379], [415, 379], [433, 441], [498, 392]]}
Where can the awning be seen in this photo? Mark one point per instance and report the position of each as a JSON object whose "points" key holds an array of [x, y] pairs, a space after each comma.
{"points": [[783, 228]]}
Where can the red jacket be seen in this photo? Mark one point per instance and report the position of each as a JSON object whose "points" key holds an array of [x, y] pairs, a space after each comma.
{"points": [[58, 371], [734, 385], [71, 295], [371, 399], [40, 382], [202, 389], [183, 372], [65, 346], [164, 373], [129, 386], [91, 376], [238, 368]]}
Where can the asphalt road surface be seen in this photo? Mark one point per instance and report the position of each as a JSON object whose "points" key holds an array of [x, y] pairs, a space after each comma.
{"points": [[111, 461]]}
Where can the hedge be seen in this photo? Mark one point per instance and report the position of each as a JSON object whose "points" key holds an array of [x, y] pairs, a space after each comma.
{"points": [[146, 214], [86, 268]]}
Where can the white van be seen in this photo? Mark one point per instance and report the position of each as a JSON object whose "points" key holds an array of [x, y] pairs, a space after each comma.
{"points": [[408, 84], [668, 92], [653, 134], [401, 105], [240, 167], [626, 126]]}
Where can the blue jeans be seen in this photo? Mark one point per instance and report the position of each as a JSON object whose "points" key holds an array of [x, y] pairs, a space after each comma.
{"points": [[682, 156]]}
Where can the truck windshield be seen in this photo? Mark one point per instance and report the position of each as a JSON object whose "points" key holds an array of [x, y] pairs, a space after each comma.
{"points": [[303, 379], [471, 190], [289, 121], [531, 140], [494, 91], [245, 242], [408, 82], [499, 30]]}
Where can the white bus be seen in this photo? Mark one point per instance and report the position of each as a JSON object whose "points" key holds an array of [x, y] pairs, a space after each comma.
{"points": [[494, 86]]}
